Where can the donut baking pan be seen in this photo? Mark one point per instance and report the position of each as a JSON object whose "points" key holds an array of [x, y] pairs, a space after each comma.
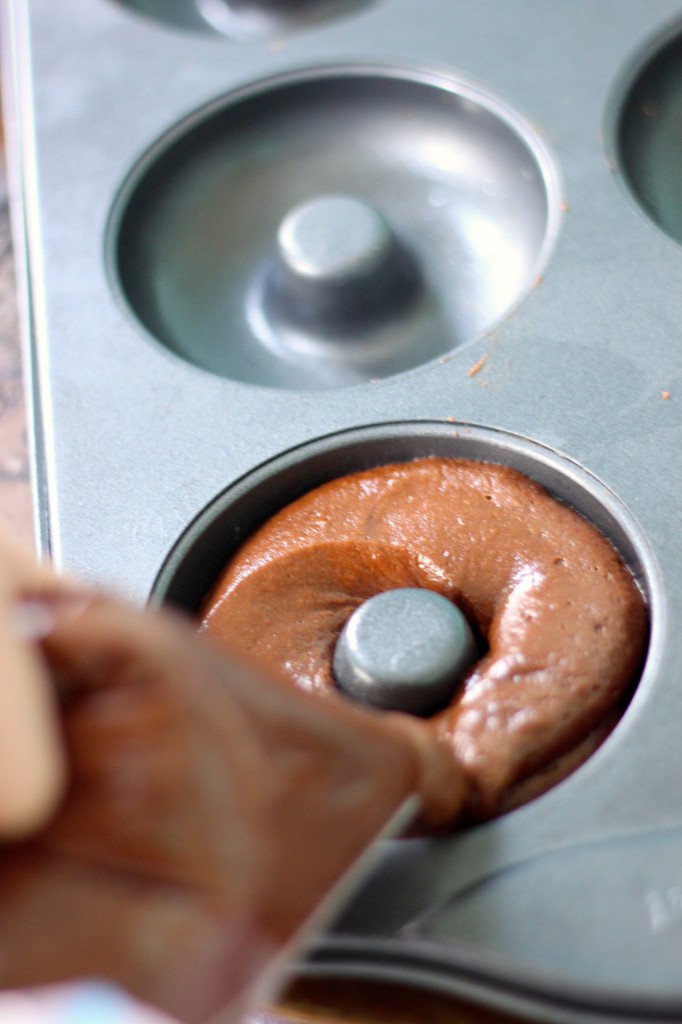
{"points": [[265, 244]]}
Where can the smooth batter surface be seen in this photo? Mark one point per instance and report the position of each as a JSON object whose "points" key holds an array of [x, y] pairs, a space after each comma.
{"points": [[563, 626]]}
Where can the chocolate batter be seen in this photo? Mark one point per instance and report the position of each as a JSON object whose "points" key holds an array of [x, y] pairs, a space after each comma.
{"points": [[562, 622]]}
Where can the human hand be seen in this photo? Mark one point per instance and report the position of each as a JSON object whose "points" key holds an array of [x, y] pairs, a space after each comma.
{"points": [[209, 812]]}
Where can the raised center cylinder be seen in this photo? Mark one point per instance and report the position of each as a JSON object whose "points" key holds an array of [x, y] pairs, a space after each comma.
{"points": [[404, 650], [338, 261]]}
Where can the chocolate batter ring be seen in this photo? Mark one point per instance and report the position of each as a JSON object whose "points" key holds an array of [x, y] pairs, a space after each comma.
{"points": [[563, 621]]}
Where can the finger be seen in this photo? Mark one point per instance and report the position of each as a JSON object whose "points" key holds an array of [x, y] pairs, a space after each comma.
{"points": [[104, 642], [20, 566], [161, 755], [31, 759], [32, 767]]}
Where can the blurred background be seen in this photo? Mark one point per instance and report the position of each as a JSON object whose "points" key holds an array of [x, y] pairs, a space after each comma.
{"points": [[15, 491]]}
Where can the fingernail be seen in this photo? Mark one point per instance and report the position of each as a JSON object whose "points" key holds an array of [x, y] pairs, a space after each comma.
{"points": [[35, 617]]}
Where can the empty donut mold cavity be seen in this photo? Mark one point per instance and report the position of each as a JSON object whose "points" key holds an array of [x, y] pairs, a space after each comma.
{"points": [[647, 136], [336, 225]]}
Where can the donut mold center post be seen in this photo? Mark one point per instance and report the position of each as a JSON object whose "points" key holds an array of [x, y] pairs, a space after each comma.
{"points": [[404, 650], [338, 265]]}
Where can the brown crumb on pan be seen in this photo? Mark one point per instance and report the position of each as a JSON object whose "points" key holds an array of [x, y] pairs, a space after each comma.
{"points": [[665, 395], [477, 367], [564, 206]]}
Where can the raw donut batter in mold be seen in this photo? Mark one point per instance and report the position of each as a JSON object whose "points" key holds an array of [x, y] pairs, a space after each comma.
{"points": [[562, 623]]}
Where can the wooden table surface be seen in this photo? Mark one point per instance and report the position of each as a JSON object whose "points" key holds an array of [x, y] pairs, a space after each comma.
{"points": [[338, 1002]]}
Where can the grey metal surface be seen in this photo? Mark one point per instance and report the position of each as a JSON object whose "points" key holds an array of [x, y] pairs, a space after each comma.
{"points": [[569, 908]]}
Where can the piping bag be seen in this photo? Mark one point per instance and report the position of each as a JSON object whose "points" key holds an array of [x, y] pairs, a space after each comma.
{"points": [[214, 819]]}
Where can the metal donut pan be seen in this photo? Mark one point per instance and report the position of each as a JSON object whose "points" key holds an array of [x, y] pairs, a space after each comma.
{"points": [[523, 160]]}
